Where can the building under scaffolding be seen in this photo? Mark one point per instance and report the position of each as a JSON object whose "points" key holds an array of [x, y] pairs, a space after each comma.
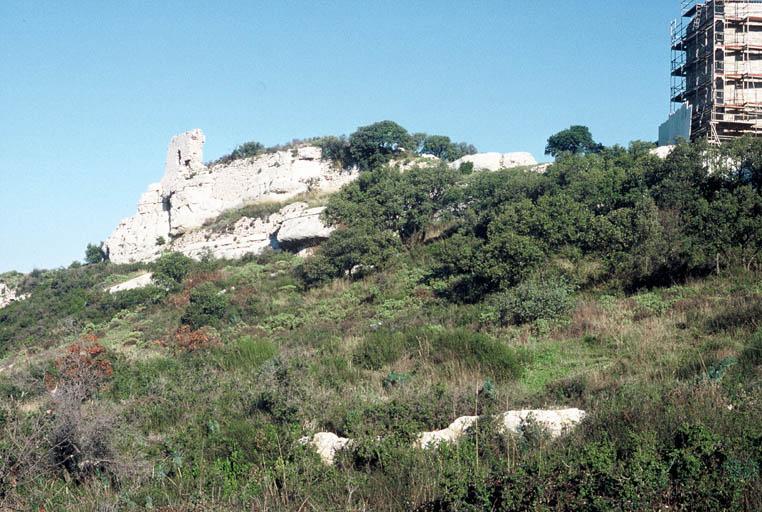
{"points": [[716, 71]]}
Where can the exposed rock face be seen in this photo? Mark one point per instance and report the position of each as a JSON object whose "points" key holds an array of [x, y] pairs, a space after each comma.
{"points": [[555, 422], [8, 295], [139, 237], [191, 193], [295, 226], [496, 161], [136, 282]]}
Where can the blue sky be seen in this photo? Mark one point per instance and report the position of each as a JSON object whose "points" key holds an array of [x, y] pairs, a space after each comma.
{"points": [[92, 91]]}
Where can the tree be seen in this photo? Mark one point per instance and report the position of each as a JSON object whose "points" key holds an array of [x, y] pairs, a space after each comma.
{"points": [[374, 145], [95, 254], [438, 145], [574, 140], [441, 146], [405, 203], [335, 149]]}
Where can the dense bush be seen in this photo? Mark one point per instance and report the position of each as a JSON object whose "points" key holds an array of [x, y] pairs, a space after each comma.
{"points": [[354, 252], [534, 299], [170, 270], [208, 305], [477, 351], [442, 147], [379, 349], [245, 150]]}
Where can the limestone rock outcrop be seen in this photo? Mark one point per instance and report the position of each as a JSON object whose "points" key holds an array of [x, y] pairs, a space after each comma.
{"points": [[295, 226], [303, 228], [9, 295], [191, 194], [554, 422], [496, 161]]}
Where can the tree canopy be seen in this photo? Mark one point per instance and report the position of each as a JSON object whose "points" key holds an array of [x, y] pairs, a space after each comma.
{"points": [[576, 139]]}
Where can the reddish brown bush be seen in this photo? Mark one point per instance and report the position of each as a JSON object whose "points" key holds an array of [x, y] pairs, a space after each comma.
{"points": [[190, 340]]}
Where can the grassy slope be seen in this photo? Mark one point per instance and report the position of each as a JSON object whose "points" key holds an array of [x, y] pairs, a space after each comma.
{"points": [[217, 426]]}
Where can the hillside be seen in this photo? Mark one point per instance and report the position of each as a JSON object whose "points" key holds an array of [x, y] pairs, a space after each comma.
{"points": [[615, 282]]}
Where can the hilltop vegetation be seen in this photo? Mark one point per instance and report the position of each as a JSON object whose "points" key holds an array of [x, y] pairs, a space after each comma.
{"points": [[616, 282], [369, 147]]}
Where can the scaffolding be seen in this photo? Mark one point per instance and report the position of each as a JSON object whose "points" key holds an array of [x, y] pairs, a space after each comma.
{"points": [[716, 67]]}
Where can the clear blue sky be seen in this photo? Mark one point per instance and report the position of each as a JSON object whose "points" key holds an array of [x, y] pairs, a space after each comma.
{"points": [[92, 91]]}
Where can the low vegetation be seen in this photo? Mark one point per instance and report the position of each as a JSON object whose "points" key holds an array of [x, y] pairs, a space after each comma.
{"points": [[616, 282]]}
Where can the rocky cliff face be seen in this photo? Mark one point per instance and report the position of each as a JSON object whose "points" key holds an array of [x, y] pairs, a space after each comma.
{"points": [[171, 213]]}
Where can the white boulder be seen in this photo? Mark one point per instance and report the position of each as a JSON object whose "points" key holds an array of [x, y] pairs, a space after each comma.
{"points": [[326, 444], [450, 434], [496, 161], [555, 422]]}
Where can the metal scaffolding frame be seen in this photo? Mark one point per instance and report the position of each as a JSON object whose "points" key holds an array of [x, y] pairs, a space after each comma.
{"points": [[703, 39]]}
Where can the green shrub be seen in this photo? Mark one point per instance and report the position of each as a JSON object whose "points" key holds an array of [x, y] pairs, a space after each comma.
{"points": [[250, 353], [379, 349], [650, 304], [207, 306], [536, 299], [374, 145], [478, 351], [130, 298], [170, 270], [245, 150]]}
